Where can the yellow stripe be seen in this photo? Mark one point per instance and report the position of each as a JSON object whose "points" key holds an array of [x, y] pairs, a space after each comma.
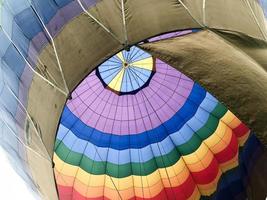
{"points": [[144, 64], [115, 84], [220, 139], [120, 56], [121, 183], [231, 120], [195, 156], [216, 137], [202, 163], [206, 189], [93, 192], [199, 160], [70, 181]]}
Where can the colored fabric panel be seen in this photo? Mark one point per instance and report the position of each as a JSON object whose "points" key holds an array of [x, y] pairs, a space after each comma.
{"points": [[106, 149]]}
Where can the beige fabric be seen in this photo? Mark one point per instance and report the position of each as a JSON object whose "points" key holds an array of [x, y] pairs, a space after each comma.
{"points": [[46, 105], [234, 15], [258, 16], [42, 173], [39, 164], [48, 67], [109, 13], [244, 16], [81, 46], [196, 9], [151, 17], [255, 49]]}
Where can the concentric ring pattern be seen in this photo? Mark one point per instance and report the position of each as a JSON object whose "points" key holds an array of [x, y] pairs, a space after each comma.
{"points": [[168, 140]]}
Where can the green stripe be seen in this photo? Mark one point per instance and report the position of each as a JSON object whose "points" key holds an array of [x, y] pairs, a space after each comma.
{"points": [[57, 143], [146, 168]]}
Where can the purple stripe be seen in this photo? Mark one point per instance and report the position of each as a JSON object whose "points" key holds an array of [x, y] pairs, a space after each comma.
{"points": [[170, 35], [104, 110]]}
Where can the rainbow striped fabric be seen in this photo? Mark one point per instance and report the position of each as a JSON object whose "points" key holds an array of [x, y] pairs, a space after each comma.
{"points": [[169, 139]]}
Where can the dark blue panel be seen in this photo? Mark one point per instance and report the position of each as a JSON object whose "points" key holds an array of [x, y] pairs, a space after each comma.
{"points": [[62, 3], [14, 60], [28, 22], [20, 40], [9, 101], [233, 183], [46, 9]]}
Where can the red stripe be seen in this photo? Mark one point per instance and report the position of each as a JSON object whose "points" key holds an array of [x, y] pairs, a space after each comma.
{"points": [[182, 192], [229, 152], [208, 174], [241, 130]]}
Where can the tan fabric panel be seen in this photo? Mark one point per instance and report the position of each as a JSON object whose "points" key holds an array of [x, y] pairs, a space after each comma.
{"points": [[259, 15], [109, 13], [235, 16], [151, 17], [81, 46], [196, 10], [167, 15], [228, 73], [42, 173], [48, 67], [34, 140], [45, 105], [40, 165], [256, 49]]}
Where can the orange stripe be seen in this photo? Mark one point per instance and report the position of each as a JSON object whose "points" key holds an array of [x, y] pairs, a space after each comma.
{"points": [[81, 188]]}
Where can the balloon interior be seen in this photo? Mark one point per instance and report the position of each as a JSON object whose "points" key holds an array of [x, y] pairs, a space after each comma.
{"points": [[132, 99]]}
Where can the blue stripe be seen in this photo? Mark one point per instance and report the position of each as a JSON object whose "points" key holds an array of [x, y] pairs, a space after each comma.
{"points": [[82, 131], [148, 152]]}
